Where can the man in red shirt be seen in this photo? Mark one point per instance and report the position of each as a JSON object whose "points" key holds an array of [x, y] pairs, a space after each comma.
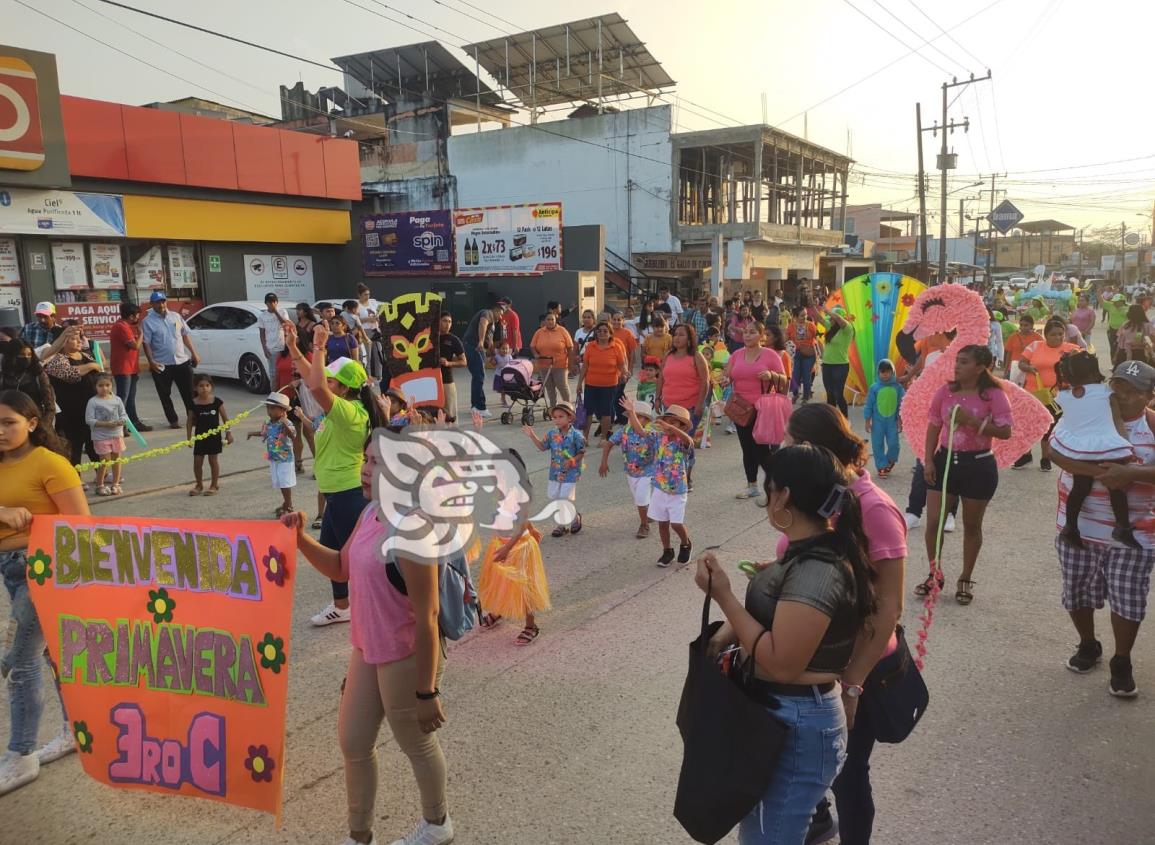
{"points": [[510, 325], [124, 343]]}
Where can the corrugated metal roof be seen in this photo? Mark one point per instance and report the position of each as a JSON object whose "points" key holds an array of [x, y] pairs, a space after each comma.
{"points": [[414, 69]]}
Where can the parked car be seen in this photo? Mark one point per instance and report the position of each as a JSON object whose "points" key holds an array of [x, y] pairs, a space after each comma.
{"points": [[228, 340]]}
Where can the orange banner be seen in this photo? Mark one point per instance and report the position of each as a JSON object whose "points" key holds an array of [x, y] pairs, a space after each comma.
{"points": [[171, 639]]}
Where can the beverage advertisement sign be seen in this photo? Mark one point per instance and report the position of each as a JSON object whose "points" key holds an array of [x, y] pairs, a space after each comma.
{"points": [[107, 270], [9, 264], [508, 240], [408, 243]]}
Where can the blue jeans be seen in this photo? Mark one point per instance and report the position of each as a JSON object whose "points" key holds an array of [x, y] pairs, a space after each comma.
{"points": [[813, 753], [342, 510], [884, 442], [834, 380], [126, 390], [803, 375], [477, 378]]}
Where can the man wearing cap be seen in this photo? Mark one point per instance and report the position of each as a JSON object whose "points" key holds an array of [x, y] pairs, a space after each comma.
{"points": [[270, 322], [44, 329], [124, 342], [1105, 569], [170, 353]]}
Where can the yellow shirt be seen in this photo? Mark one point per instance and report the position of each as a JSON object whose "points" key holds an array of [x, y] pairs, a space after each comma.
{"points": [[658, 347], [31, 482]]}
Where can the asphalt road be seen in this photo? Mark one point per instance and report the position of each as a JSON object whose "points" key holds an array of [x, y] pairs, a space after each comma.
{"points": [[572, 740]]}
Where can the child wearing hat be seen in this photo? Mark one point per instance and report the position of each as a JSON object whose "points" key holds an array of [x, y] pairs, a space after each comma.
{"points": [[278, 433], [638, 456], [567, 449], [673, 446]]}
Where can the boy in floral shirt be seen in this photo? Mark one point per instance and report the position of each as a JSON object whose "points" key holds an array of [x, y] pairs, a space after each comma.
{"points": [[673, 448], [567, 450], [278, 433], [638, 453]]}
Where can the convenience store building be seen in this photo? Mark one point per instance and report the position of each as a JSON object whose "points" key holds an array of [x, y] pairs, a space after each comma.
{"points": [[102, 202]]}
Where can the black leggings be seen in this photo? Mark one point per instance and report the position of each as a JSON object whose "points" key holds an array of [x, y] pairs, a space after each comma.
{"points": [[79, 438], [754, 454], [834, 380]]}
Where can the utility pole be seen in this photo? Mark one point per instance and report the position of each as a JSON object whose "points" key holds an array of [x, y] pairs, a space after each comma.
{"points": [[924, 259], [991, 252], [946, 160]]}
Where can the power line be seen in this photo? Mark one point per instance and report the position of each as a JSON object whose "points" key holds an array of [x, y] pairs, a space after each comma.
{"points": [[473, 18], [486, 12], [917, 34], [947, 34], [899, 40]]}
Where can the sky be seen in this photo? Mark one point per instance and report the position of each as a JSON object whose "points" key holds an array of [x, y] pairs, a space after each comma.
{"points": [[1067, 114]]}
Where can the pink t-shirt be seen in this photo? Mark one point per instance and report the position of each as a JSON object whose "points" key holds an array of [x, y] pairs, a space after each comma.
{"points": [[744, 375], [968, 439], [883, 524], [381, 621]]}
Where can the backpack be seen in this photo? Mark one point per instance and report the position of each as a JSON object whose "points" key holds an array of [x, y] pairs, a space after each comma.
{"points": [[457, 599]]}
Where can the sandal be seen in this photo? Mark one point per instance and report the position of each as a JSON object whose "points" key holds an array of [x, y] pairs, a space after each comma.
{"points": [[116, 490], [317, 523], [927, 586], [488, 622], [528, 635], [576, 527], [560, 531], [643, 532], [196, 491], [103, 490], [963, 594], [281, 511], [212, 491]]}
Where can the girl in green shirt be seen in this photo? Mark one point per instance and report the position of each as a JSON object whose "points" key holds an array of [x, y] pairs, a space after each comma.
{"points": [[836, 356]]}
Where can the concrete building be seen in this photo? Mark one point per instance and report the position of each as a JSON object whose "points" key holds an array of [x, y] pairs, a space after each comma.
{"points": [[1046, 242]]}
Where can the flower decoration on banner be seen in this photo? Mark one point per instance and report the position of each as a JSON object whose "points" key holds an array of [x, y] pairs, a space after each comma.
{"points": [[883, 286], [276, 567], [908, 299], [83, 737], [869, 305], [40, 567], [160, 605], [260, 764], [272, 653], [874, 318], [176, 447]]}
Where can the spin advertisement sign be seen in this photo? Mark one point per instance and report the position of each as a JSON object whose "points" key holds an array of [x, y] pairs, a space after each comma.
{"points": [[508, 240], [407, 243]]}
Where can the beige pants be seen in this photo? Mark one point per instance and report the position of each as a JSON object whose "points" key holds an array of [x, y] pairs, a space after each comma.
{"points": [[373, 692], [450, 391], [556, 384]]}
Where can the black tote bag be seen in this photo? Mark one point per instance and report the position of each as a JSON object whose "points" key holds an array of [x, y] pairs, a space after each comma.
{"points": [[730, 743], [895, 695]]}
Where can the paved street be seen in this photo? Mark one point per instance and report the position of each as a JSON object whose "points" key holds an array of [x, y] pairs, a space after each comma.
{"points": [[572, 740]]}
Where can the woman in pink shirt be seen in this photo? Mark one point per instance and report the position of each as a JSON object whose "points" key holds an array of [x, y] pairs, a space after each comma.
{"points": [[885, 529], [752, 371], [984, 412], [394, 668]]}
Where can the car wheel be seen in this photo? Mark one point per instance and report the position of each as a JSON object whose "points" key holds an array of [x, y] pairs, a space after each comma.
{"points": [[251, 372]]}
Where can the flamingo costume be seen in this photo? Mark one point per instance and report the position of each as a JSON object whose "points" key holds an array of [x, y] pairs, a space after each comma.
{"points": [[947, 308]]}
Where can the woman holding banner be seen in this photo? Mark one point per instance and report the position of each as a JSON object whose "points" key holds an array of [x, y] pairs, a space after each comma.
{"points": [[35, 478], [394, 669]]}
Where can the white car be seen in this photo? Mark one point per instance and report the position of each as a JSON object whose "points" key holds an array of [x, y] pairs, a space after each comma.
{"points": [[228, 341]]}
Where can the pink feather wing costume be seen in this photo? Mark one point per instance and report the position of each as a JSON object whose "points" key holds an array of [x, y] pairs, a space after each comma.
{"points": [[947, 308]]}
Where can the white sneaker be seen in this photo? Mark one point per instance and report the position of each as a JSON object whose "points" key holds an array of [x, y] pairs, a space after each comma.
{"points": [[730, 429], [485, 414], [59, 746], [912, 521], [426, 833], [748, 493], [331, 615], [948, 526], [761, 501], [16, 770]]}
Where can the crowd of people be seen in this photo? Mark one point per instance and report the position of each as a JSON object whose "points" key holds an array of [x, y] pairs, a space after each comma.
{"points": [[819, 617]]}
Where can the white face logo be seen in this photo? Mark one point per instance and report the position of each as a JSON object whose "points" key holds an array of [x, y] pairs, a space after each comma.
{"points": [[439, 489]]}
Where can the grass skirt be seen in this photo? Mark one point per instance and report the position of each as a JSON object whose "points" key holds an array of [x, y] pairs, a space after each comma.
{"points": [[516, 586]]}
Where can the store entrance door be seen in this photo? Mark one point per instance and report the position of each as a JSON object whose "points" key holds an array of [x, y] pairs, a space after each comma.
{"points": [[462, 300]]}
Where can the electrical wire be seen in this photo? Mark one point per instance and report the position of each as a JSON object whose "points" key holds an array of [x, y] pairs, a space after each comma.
{"points": [[953, 40], [899, 40], [917, 34]]}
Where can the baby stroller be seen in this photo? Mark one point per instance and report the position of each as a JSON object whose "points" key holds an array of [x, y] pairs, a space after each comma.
{"points": [[516, 382]]}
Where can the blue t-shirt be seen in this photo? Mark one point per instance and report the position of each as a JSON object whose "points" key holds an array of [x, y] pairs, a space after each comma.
{"points": [[637, 451], [564, 464]]}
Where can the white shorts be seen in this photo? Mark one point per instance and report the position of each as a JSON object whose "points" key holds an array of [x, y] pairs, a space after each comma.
{"points": [[666, 507], [641, 488], [283, 474], [562, 490]]}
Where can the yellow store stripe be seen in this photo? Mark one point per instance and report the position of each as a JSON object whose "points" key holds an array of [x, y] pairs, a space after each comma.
{"points": [[165, 218]]}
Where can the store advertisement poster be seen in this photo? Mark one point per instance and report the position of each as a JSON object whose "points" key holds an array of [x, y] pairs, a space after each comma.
{"points": [[68, 266], [11, 297], [148, 270], [105, 264], [61, 213], [290, 277], [408, 243], [508, 240], [9, 265], [182, 267]]}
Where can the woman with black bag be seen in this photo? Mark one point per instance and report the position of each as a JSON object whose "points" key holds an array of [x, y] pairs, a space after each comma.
{"points": [[799, 623], [879, 650]]}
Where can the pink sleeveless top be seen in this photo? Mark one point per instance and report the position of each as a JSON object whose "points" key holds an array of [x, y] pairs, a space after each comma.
{"points": [[381, 621], [681, 384]]}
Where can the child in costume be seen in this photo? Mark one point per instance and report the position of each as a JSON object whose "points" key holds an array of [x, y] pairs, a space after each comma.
{"points": [[567, 449], [648, 379], [883, 401], [638, 456]]}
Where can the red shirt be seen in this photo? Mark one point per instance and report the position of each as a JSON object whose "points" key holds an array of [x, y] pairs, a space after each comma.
{"points": [[122, 345], [511, 329]]}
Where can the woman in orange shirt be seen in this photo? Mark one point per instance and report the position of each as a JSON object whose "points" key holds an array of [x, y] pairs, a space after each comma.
{"points": [[1016, 343], [603, 367], [552, 345], [1038, 363]]}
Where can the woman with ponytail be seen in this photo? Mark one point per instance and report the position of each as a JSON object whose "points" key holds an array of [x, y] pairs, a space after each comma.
{"points": [[799, 624], [885, 530]]}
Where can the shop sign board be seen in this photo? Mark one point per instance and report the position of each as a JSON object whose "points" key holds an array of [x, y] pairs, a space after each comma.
{"points": [[508, 240], [9, 266], [214, 264], [290, 277], [671, 261], [408, 243], [68, 265], [61, 213], [97, 317], [182, 267], [105, 264], [32, 149]]}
